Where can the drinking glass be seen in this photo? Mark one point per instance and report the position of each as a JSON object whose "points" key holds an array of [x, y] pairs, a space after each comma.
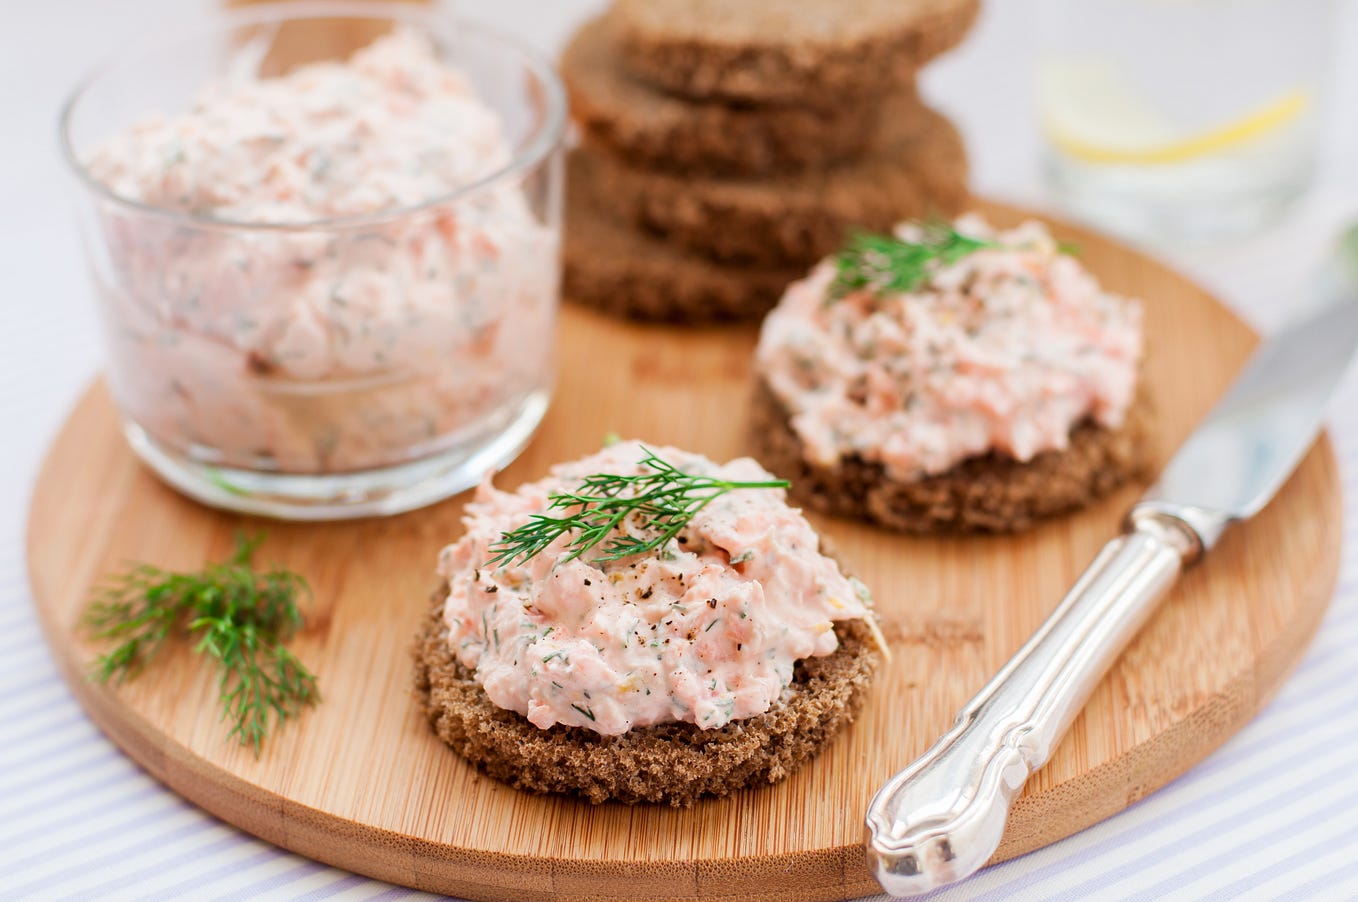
{"points": [[1174, 120]]}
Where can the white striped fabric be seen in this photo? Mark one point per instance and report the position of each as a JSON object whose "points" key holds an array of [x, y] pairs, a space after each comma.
{"points": [[1272, 815]]}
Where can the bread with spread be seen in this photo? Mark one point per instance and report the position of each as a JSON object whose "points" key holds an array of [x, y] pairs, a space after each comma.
{"points": [[644, 626], [951, 377]]}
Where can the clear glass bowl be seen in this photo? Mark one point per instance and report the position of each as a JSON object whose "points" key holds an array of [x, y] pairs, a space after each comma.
{"points": [[336, 367]]}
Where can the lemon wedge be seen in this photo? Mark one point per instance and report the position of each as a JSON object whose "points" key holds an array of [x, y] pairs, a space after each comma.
{"points": [[1091, 112]]}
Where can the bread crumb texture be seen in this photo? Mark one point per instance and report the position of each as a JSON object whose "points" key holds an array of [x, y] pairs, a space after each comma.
{"points": [[991, 493], [668, 763], [812, 52]]}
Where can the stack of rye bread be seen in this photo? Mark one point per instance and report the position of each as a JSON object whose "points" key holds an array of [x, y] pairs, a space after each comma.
{"points": [[729, 144]]}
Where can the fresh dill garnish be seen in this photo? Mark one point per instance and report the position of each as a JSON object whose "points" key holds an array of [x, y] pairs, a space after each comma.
{"points": [[885, 264], [240, 618], [658, 503]]}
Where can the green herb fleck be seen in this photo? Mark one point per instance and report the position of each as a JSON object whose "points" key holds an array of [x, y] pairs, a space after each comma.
{"points": [[215, 477], [885, 264]]}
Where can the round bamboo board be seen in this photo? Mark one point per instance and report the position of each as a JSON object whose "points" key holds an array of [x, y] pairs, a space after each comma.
{"points": [[361, 782]]}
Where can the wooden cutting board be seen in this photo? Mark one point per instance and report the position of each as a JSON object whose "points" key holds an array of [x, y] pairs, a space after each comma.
{"points": [[361, 783]]}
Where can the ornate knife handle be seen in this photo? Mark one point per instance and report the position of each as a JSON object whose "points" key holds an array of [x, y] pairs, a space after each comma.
{"points": [[941, 818]]}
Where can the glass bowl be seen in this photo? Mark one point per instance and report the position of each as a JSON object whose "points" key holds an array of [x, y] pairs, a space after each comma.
{"points": [[334, 367]]}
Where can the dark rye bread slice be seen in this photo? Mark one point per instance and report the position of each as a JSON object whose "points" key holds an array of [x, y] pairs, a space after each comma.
{"points": [[674, 763], [916, 169], [623, 271], [805, 53], [992, 493], [652, 129]]}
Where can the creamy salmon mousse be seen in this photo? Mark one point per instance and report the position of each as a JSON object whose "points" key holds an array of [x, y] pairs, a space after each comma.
{"points": [[390, 127], [704, 627], [309, 305], [941, 343]]}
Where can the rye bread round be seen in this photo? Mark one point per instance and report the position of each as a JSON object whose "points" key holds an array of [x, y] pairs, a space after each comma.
{"points": [[989, 493], [661, 131], [917, 168], [808, 53], [676, 763], [621, 270]]}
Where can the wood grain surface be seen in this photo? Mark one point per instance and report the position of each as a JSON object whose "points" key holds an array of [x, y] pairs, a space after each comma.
{"points": [[360, 782]]}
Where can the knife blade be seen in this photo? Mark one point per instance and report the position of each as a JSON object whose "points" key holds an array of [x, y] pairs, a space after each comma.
{"points": [[941, 818], [1241, 454]]}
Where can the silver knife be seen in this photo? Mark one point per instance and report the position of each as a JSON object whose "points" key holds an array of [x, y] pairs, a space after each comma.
{"points": [[941, 818]]}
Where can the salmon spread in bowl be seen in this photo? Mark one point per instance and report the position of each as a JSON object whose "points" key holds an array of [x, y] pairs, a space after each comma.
{"points": [[704, 629], [1000, 342], [294, 279]]}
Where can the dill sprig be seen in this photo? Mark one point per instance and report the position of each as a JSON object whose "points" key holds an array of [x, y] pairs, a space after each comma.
{"points": [[658, 504], [240, 618], [885, 264]]}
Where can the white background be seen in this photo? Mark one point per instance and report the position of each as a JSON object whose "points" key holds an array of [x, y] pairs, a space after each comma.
{"points": [[1273, 814]]}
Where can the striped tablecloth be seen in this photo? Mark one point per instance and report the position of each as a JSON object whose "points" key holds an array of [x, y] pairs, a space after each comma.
{"points": [[1272, 814]]}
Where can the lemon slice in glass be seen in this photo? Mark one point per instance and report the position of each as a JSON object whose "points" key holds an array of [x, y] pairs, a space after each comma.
{"points": [[1092, 113]]}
